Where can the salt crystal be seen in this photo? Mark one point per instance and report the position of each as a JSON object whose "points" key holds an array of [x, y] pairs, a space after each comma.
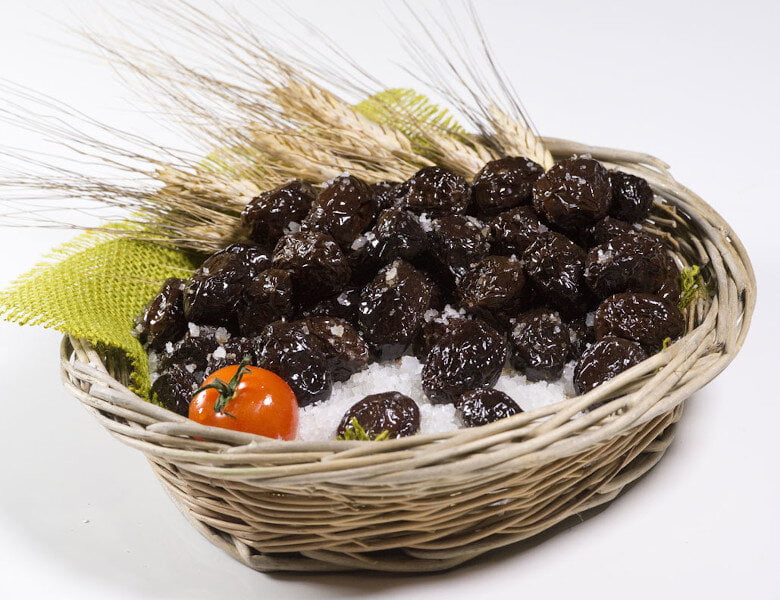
{"points": [[194, 330], [191, 367], [169, 347], [222, 335], [590, 318], [220, 353], [343, 299], [337, 330]]}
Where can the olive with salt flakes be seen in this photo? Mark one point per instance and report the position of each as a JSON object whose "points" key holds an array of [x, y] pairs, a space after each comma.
{"points": [[344, 348], [469, 354], [483, 406], [174, 388], [556, 265], [540, 344], [459, 241], [387, 193], [231, 352], [392, 307], [267, 298], [512, 231], [392, 412], [608, 228], [437, 192], [163, 320], [632, 197], [268, 216], [436, 323], [627, 262], [318, 266], [345, 208], [642, 318], [573, 194], [287, 350], [604, 360], [493, 284], [215, 289], [194, 349], [505, 183]]}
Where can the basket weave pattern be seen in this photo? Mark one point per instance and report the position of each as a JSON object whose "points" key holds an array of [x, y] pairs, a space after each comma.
{"points": [[431, 502]]}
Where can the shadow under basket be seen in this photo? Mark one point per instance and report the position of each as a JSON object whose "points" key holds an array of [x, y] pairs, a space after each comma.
{"points": [[431, 502]]}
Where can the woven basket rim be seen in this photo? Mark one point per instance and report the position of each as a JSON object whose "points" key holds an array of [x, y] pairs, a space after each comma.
{"points": [[537, 435]]}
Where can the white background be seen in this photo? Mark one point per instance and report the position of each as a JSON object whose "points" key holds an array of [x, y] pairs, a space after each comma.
{"points": [[695, 83]]}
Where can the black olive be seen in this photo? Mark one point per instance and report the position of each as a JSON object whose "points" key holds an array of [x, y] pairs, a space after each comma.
{"points": [[608, 228], [270, 215], [317, 264], [458, 242], [555, 266], [392, 412], [573, 194], [396, 234], [387, 193], [540, 344], [436, 323], [627, 262], [581, 335], [231, 352], [343, 305], [605, 359], [267, 298], [214, 291], [484, 405], [632, 197], [194, 349], [514, 230], [344, 348], [345, 208], [505, 183], [493, 284], [469, 354], [174, 389], [163, 320], [287, 350], [436, 191], [392, 307], [642, 318]]}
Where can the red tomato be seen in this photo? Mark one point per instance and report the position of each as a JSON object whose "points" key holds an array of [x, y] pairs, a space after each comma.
{"points": [[247, 399]]}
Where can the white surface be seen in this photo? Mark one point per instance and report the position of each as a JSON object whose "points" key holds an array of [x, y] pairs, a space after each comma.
{"points": [[691, 82]]}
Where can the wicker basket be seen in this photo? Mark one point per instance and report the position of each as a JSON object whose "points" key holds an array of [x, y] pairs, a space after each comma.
{"points": [[431, 502]]}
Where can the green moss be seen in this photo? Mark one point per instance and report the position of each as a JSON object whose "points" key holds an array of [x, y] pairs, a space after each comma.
{"points": [[692, 286], [354, 431]]}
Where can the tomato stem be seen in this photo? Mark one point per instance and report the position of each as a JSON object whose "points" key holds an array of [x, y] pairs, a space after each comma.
{"points": [[227, 391]]}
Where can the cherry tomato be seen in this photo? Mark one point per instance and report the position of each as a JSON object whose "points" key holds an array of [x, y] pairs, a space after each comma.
{"points": [[248, 399]]}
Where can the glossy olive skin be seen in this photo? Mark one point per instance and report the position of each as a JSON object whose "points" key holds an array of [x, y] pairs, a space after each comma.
{"points": [[192, 350], [608, 228], [345, 350], [391, 308], [540, 344], [235, 350], [287, 350], [436, 191], [343, 305], [505, 183], [215, 289], [163, 320], [670, 288], [267, 298], [432, 329], [483, 406], [393, 412], [512, 231], [581, 335], [345, 208], [555, 265], [174, 388], [458, 242], [397, 233], [318, 266], [267, 216], [387, 193], [605, 359], [468, 355], [642, 318], [632, 197], [627, 262], [495, 283], [573, 194]]}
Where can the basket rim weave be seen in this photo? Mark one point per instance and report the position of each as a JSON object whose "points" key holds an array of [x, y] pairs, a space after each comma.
{"points": [[641, 396]]}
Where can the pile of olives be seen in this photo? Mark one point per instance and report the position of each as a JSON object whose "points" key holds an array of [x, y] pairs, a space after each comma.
{"points": [[542, 268]]}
